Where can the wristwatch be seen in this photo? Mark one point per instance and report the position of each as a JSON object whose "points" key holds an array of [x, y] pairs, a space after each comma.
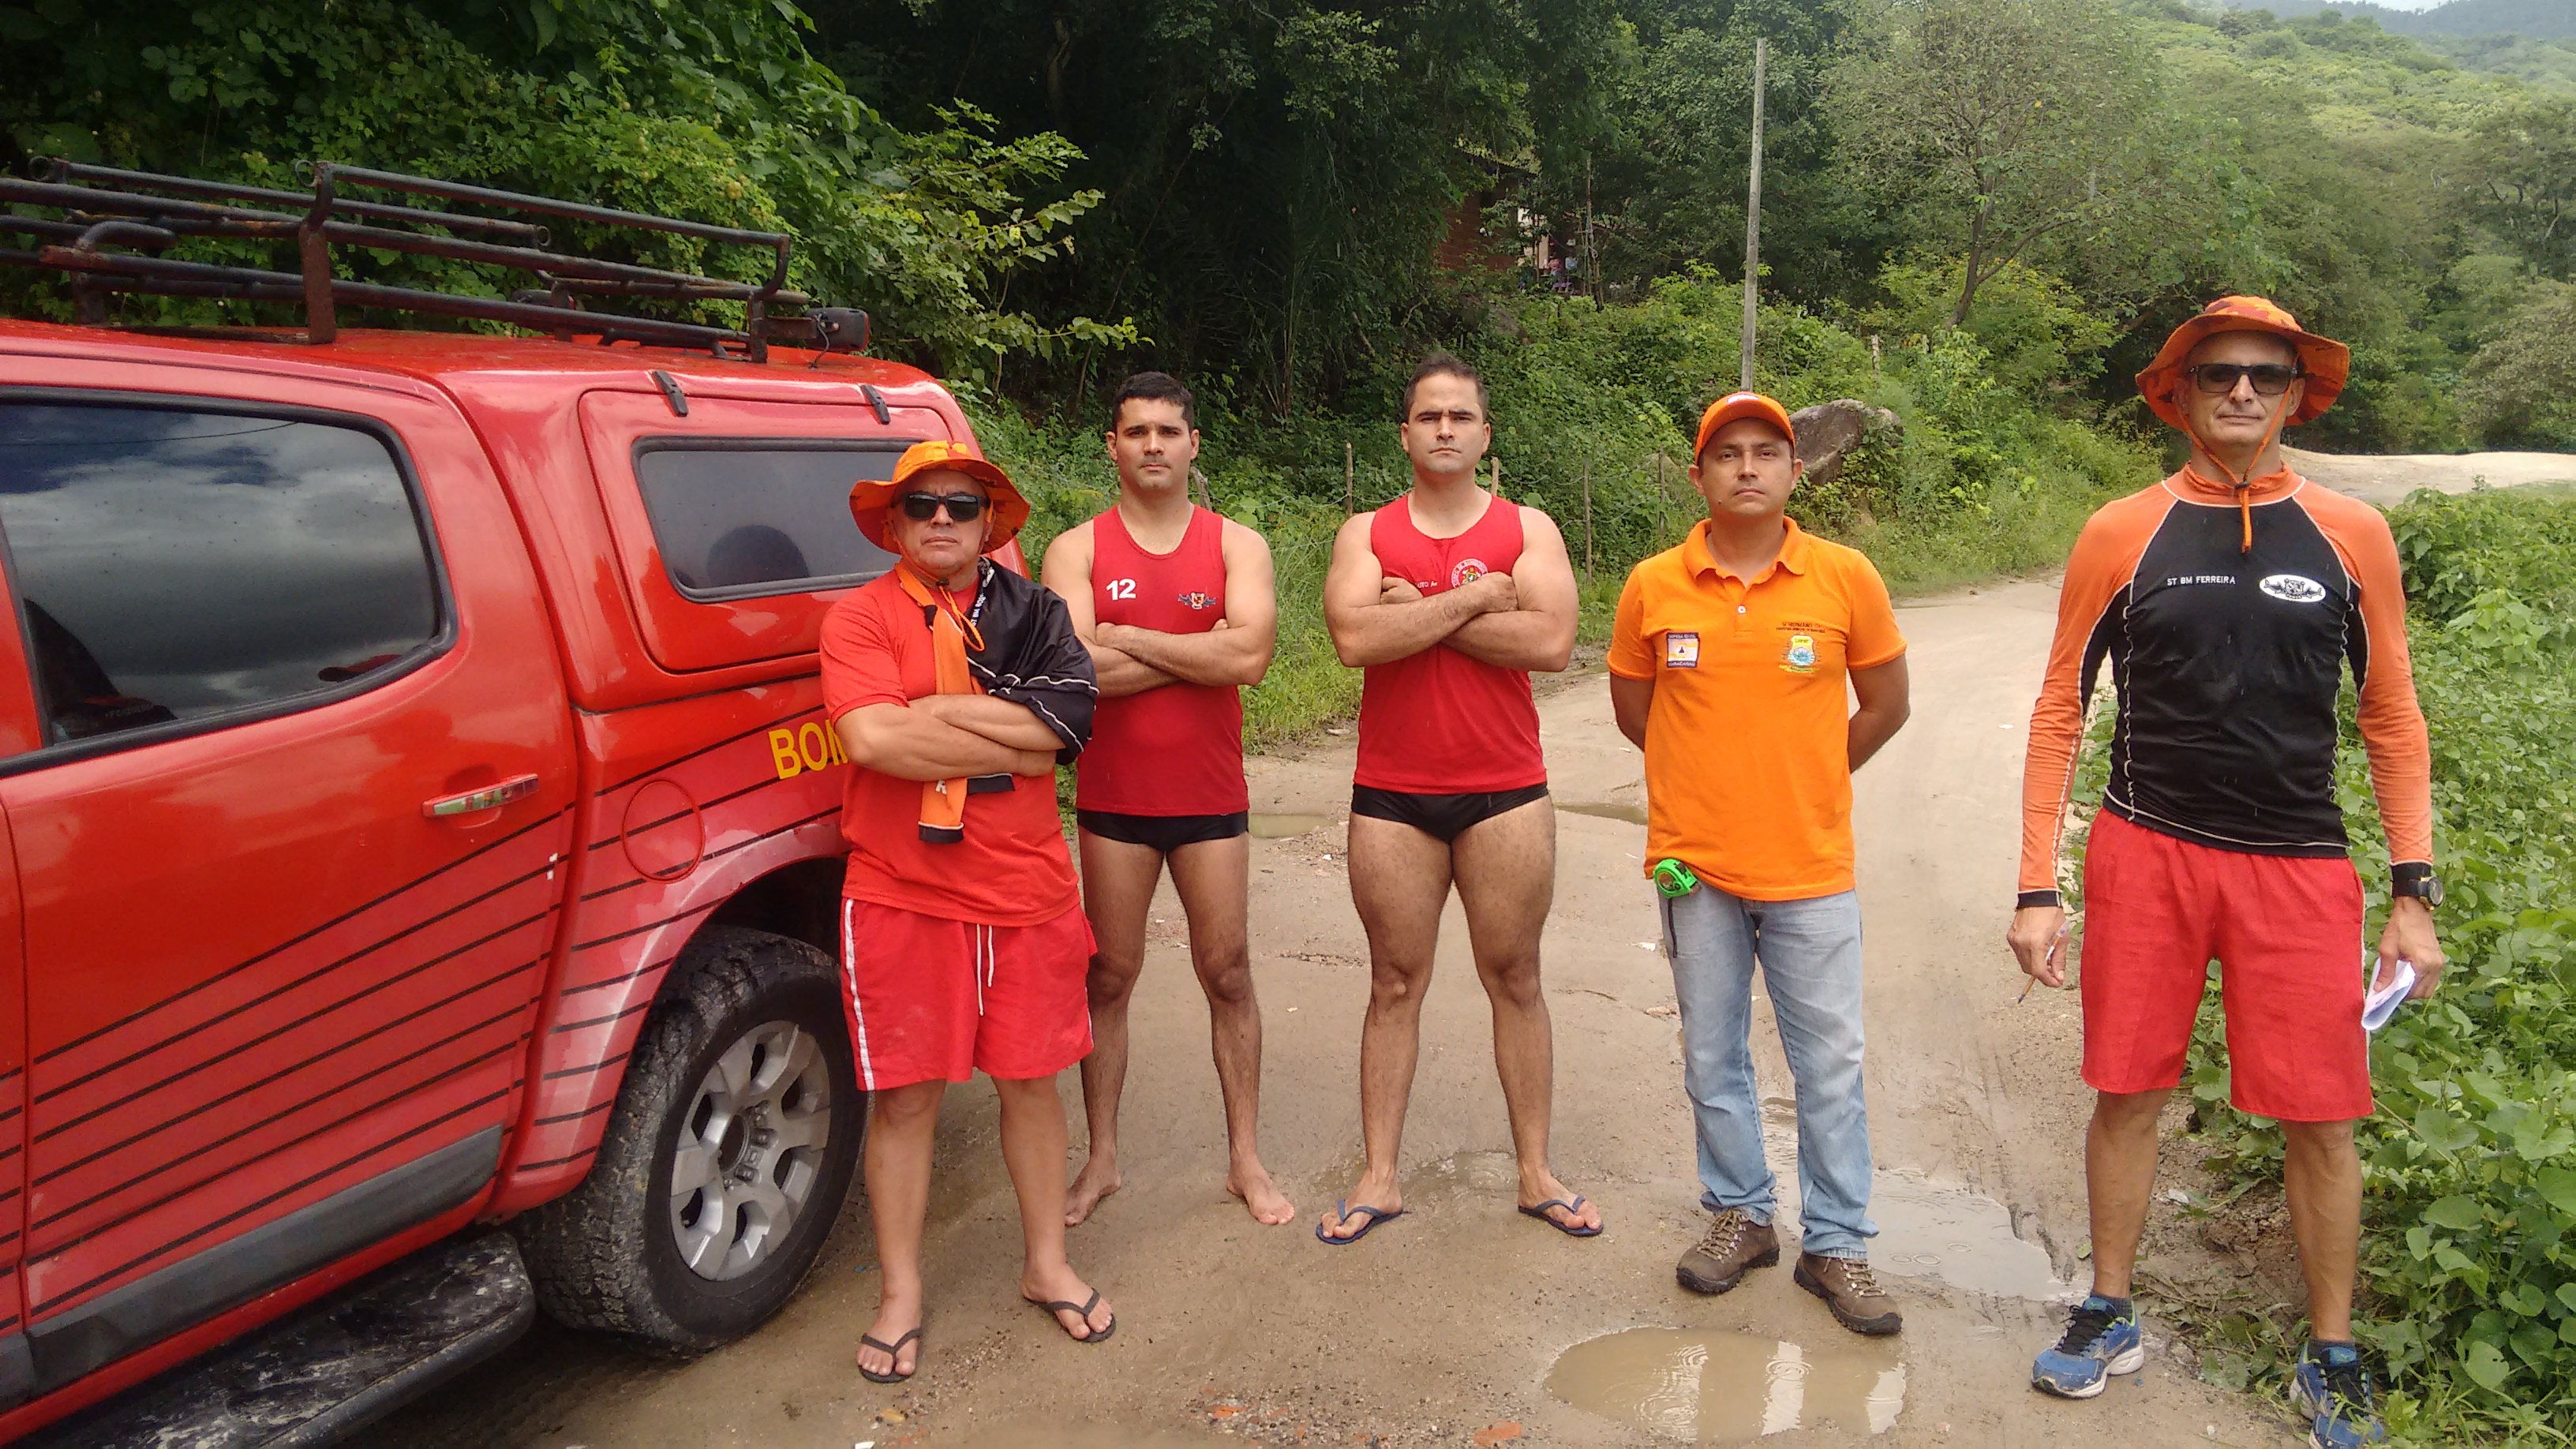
{"points": [[2415, 878]]}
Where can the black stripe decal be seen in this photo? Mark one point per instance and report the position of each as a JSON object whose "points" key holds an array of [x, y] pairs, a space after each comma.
{"points": [[709, 749], [375, 1106], [556, 1161], [273, 1033], [702, 807], [90, 1335], [745, 844], [601, 1065], [167, 1123], [648, 926], [601, 1020], [644, 970], [137, 1015], [602, 1105]]}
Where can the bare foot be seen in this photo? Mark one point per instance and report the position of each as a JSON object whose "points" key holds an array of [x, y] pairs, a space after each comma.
{"points": [[1349, 1222], [1543, 1186], [894, 1320], [1062, 1286], [1251, 1182], [1098, 1179]]}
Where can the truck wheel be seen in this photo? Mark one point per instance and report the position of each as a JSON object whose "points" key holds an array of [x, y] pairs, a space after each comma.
{"points": [[725, 1161]]}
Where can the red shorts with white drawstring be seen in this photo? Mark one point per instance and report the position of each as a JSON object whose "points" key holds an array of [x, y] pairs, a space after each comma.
{"points": [[2286, 933], [931, 999]]}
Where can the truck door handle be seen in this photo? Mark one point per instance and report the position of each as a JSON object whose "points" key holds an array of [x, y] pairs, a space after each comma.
{"points": [[490, 797]]}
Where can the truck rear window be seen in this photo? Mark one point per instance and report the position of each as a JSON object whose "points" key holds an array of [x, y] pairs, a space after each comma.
{"points": [[740, 517], [174, 564]]}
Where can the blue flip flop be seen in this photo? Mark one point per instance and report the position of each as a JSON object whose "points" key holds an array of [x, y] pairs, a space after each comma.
{"points": [[1343, 1210], [1571, 1208]]}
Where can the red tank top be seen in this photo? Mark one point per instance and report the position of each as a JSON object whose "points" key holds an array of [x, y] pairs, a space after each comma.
{"points": [[1177, 750], [1438, 722]]}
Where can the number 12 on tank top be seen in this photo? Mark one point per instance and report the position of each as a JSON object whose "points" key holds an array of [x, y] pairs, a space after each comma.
{"points": [[1122, 588]]}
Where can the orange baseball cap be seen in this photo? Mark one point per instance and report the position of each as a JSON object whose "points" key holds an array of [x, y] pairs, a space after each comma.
{"points": [[1738, 405], [2326, 362], [872, 503]]}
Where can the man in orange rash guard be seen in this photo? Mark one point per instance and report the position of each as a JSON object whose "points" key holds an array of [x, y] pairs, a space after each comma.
{"points": [[2227, 600]]}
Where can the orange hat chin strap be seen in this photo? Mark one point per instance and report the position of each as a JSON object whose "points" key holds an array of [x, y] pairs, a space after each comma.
{"points": [[2244, 484]]}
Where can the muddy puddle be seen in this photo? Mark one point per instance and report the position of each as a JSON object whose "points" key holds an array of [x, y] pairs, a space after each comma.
{"points": [[1928, 1228], [1633, 813], [1723, 1388], [1282, 825]]}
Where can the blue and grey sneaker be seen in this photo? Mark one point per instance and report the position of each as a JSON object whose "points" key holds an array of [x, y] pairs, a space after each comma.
{"points": [[2101, 1340], [2332, 1389]]}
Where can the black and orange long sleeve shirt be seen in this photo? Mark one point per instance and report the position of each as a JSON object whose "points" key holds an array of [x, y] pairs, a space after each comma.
{"points": [[2227, 660]]}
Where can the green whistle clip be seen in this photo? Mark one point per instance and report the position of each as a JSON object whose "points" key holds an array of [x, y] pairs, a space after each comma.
{"points": [[1674, 879]]}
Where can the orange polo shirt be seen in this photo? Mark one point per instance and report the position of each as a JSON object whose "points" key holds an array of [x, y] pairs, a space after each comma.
{"points": [[1748, 768]]}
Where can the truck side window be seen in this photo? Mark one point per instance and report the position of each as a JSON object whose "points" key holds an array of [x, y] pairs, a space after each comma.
{"points": [[741, 517], [176, 564]]}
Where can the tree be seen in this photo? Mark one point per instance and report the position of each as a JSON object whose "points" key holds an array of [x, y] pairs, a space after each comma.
{"points": [[712, 111], [2521, 181], [2005, 122], [2520, 390]]}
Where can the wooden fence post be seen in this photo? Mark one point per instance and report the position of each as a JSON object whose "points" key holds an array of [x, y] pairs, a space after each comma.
{"points": [[1350, 481]]}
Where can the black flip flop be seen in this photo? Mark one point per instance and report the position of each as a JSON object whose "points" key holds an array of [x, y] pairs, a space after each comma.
{"points": [[894, 1353], [1571, 1208], [1083, 1312], [1343, 1211]]}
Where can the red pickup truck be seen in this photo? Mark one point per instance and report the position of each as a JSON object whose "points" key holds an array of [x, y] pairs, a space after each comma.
{"points": [[419, 816]]}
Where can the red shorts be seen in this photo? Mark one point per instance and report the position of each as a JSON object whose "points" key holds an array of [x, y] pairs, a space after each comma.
{"points": [[2286, 933], [932, 999]]}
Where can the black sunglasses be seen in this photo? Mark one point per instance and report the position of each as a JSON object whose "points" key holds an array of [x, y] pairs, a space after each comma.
{"points": [[2271, 379], [963, 507]]}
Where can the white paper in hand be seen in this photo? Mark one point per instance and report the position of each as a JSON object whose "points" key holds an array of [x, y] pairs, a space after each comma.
{"points": [[2382, 1001]]}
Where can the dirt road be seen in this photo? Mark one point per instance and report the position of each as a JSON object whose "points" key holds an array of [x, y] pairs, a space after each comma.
{"points": [[1462, 1317], [2387, 478]]}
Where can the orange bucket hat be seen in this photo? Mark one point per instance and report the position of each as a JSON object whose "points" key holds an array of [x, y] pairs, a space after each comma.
{"points": [[2324, 362], [872, 503], [1739, 405]]}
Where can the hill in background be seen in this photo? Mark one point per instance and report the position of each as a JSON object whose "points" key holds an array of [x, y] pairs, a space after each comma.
{"points": [[2530, 19]]}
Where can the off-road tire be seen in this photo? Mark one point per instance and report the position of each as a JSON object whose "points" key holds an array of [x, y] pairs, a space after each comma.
{"points": [[604, 1256]]}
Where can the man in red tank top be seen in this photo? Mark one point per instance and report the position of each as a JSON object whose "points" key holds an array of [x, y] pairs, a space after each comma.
{"points": [[1449, 596], [1176, 605]]}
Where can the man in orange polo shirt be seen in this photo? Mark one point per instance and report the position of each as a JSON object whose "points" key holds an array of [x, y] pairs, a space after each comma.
{"points": [[1727, 667], [957, 687]]}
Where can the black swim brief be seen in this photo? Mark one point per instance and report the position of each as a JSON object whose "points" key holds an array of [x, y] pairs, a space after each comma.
{"points": [[1442, 817], [1165, 833]]}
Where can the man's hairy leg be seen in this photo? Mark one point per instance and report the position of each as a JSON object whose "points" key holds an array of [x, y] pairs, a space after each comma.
{"points": [[902, 1125], [1117, 893], [2321, 1174], [1399, 882], [1213, 878], [1507, 881], [2119, 1173]]}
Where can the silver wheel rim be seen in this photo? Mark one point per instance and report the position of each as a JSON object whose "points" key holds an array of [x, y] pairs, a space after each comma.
{"points": [[750, 1150]]}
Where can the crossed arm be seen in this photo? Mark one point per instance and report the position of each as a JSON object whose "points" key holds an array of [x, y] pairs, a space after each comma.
{"points": [[1131, 660], [943, 736], [1519, 620]]}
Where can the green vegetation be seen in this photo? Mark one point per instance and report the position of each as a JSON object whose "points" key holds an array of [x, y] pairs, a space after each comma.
{"points": [[2469, 1249]]}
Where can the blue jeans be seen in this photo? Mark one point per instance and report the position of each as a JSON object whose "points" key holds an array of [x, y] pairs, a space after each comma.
{"points": [[1809, 952]]}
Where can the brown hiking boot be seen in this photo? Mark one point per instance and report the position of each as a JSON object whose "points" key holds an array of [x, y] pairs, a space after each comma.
{"points": [[1850, 1290], [1733, 1243]]}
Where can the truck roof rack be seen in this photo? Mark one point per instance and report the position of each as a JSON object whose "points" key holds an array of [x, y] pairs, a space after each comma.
{"points": [[140, 214]]}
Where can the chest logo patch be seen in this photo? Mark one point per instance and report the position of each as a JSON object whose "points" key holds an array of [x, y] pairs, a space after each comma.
{"points": [[2296, 588], [1466, 571], [1801, 656], [1199, 601], [1681, 651]]}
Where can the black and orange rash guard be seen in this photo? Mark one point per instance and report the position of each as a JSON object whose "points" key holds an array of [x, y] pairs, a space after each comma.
{"points": [[2227, 661]]}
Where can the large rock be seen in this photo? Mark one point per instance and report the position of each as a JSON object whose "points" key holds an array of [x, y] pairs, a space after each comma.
{"points": [[1828, 431]]}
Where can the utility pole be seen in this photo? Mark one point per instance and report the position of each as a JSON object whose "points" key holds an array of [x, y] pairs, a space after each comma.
{"points": [[1753, 213]]}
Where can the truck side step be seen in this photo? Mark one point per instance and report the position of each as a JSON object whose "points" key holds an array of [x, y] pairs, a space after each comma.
{"points": [[316, 1377]]}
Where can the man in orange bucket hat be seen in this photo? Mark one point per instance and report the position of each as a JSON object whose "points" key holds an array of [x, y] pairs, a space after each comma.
{"points": [[2228, 600], [957, 687]]}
